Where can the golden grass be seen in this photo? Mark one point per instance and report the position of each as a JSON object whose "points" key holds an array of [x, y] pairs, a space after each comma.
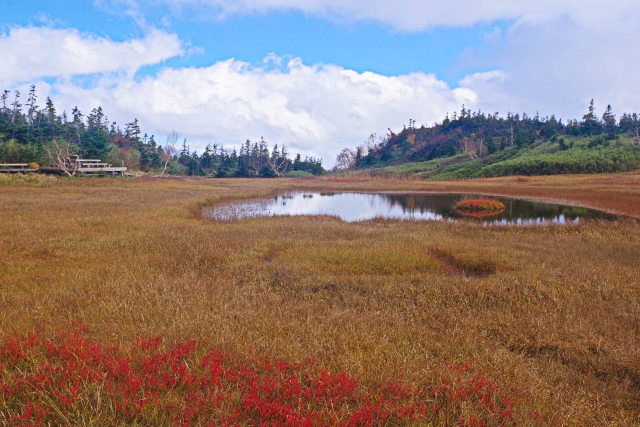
{"points": [[552, 314]]}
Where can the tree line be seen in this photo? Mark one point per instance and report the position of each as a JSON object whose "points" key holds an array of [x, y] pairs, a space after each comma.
{"points": [[30, 133], [485, 137]]}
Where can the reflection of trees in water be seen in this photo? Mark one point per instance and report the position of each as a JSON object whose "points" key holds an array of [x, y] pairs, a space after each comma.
{"points": [[412, 203], [515, 208], [528, 209]]}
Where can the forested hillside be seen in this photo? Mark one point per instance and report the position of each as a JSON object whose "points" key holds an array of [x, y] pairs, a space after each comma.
{"points": [[29, 133], [474, 144]]}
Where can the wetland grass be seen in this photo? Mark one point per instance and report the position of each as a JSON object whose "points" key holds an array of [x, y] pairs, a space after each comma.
{"points": [[550, 315]]}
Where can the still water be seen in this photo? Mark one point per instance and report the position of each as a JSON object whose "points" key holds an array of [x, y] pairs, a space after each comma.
{"points": [[352, 207]]}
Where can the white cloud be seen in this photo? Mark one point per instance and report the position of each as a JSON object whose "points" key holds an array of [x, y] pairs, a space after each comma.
{"points": [[553, 59], [490, 88], [415, 15], [556, 67], [315, 110], [35, 52]]}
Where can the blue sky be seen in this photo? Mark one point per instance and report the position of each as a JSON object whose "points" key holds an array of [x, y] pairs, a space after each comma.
{"points": [[361, 46], [318, 75]]}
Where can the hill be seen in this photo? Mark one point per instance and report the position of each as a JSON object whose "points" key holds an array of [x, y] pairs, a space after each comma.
{"points": [[473, 144]]}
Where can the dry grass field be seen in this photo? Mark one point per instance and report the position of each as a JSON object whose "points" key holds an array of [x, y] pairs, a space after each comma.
{"points": [[550, 314]]}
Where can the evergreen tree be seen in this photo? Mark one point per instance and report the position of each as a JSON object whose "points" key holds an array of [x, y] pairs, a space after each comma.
{"points": [[609, 120], [590, 125]]}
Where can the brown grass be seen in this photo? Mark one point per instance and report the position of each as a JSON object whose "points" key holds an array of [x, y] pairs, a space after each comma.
{"points": [[552, 314]]}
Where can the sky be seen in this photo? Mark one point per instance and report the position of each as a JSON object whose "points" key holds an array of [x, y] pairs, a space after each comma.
{"points": [[319, 75]]}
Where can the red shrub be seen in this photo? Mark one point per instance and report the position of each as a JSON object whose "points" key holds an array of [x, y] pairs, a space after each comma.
{"points": [[479, 208], [55, 380]]}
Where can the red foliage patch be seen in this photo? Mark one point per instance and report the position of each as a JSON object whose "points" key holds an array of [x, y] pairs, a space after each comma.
{"points": [[53, 380], [479, 208]]}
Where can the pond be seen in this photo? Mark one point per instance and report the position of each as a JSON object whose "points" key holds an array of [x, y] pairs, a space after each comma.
{"points": [[352, 207]]}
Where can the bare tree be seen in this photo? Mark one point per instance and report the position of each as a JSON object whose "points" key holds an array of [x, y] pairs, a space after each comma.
{"points": [[345, 160], [168, 150], [278, 163], [369, 145], [167, 153], [511, 136], [257, 160], [259, 156], [16, 106], [16, 109], [472, 146], [60, 157]]}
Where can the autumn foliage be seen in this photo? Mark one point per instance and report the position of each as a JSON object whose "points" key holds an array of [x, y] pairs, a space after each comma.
{"points": [[479, 208], [67, 379]]}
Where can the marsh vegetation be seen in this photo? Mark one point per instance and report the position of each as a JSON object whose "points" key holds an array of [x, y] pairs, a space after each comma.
{"points": [[547, 316]]}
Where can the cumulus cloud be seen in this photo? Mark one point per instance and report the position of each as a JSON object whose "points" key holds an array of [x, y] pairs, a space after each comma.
{"points": [[312, 109], [553, 58], [30, 53], [554, 55], [412, 15], [556, 67]]}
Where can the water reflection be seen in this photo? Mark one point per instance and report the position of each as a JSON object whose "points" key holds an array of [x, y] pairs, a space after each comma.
{"points": [[353, 207]]}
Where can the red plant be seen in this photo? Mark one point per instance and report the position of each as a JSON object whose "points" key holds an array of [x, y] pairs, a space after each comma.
{"points": [[55, 380], [479, 208]]}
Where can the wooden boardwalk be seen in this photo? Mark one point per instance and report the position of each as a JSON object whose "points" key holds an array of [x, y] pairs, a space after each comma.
{"points": [[81, 166], [16, 168]]}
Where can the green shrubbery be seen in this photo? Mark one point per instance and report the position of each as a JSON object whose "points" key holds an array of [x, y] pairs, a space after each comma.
{"points": [[576, 160], [563, 156], [298, 174]]}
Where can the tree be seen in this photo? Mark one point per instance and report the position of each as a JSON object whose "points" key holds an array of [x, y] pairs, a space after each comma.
{"points": [[590, 124], [95, 139], [257, 159], [297, 162], [16, 109], [590, 112], [132, 132], [31, 101], [3, 98], [345, 160], [43, 135], [278, 162], [472, 146], [168, 151], [358, 157], [609, 120], [77, 123], [59, 154], [206, 161], [51, 111], [16, 106]]}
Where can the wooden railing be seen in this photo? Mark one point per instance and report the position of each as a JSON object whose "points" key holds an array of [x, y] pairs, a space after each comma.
{"points": [[15, 168], [83, 166]]}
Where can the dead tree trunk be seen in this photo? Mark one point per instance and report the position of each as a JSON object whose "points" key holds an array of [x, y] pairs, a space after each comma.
{"points": [[59, 153], [168, 152], [277, 165]]}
